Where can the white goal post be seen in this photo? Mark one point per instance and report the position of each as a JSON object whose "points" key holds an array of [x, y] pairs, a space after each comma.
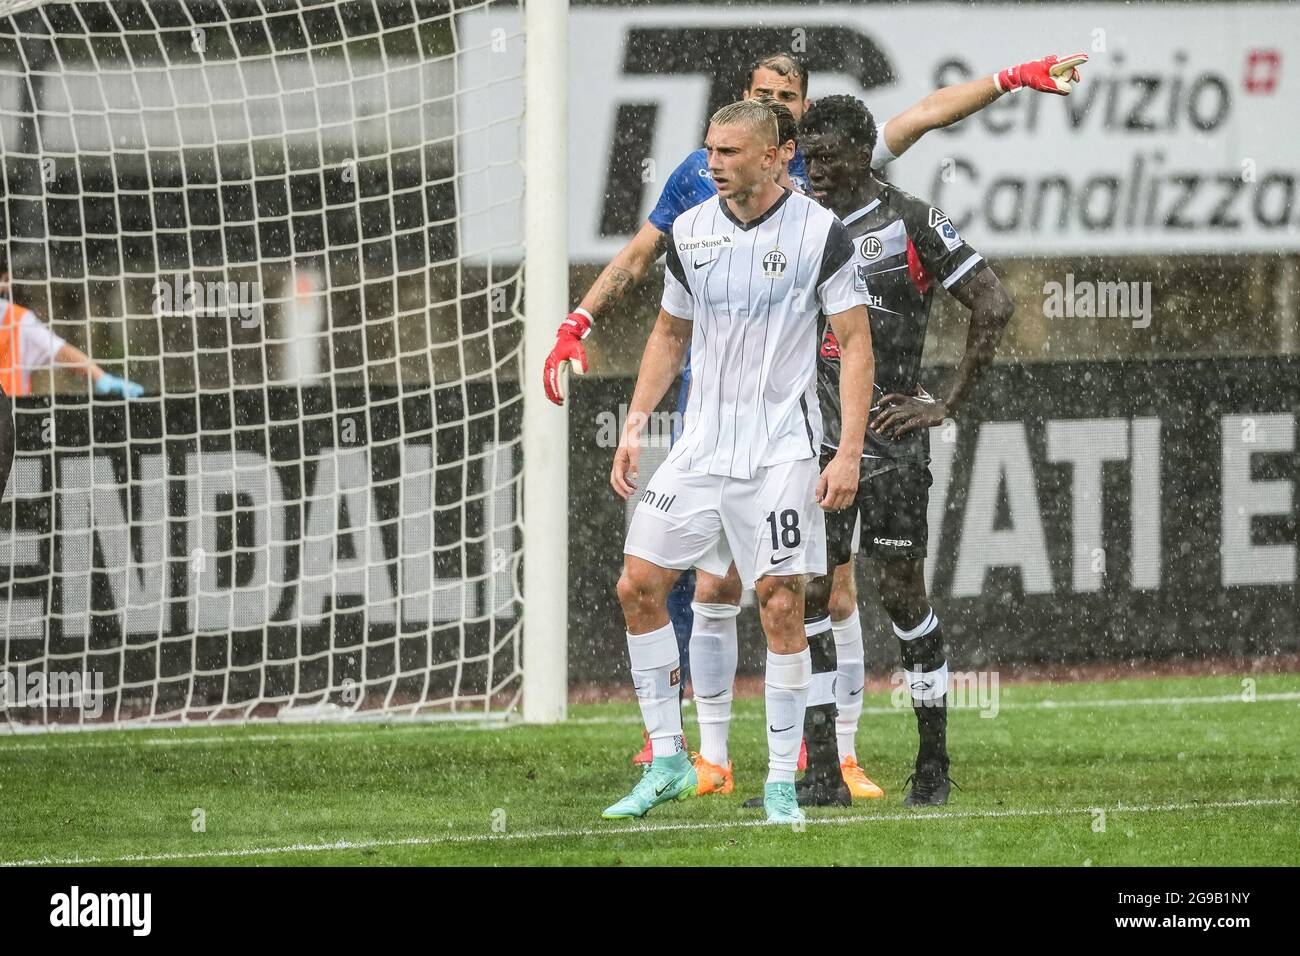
{"points": [[259, 211], [546, 429]]}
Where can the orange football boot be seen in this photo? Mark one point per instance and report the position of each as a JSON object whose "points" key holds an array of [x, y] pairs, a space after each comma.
{"points": [[711, 777], [859, 784], [646, 755]]}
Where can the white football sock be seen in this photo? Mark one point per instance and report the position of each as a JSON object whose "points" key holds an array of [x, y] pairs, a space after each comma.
{"points": [[928, 685], [924, 685], [713, 672], [850, 670], [657, 676], [786, 695]]}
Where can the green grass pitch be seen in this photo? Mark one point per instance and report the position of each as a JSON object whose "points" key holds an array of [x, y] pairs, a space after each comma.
{"points": [[1176, 771]]}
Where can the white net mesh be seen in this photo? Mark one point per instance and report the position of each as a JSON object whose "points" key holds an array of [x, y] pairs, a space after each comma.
{"points": [[252, 210]]}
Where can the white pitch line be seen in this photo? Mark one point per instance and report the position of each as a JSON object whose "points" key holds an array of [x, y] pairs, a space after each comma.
{"points": [[233, 737], [1153, 701], [1038, 705], [915, 817], [629, 719]]}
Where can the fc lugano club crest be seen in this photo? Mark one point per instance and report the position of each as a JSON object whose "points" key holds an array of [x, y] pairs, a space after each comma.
{"points": [[871, 248], [774, 264]]}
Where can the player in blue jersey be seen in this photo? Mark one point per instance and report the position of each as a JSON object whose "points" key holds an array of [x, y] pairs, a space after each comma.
{"points": [[711, 628]]}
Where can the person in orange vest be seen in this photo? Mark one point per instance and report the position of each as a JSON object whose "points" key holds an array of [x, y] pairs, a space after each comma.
{"points": [[28, 344]]}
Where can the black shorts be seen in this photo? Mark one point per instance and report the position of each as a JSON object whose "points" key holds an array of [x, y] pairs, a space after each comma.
{"points": [[893, 505]]}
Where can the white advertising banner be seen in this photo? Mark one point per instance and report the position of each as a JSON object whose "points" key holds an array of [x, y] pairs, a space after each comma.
{"points": [[1182, 137]]}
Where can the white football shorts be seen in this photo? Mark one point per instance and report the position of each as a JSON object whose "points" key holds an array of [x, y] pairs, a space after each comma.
{"points": [[768, 524]]}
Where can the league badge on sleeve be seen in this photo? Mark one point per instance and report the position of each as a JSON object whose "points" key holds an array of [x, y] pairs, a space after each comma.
{"points": [[860, 277], [946, 230]]}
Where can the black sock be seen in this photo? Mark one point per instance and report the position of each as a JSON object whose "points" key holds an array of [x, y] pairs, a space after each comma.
{"points": [[819, 732], [932, 726], [926, 654], [819, 718]]}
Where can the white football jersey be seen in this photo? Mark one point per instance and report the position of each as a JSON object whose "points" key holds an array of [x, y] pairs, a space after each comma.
{"points": [[756, 292]]}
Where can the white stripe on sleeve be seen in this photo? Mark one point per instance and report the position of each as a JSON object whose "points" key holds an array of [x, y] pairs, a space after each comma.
{"points": [[882, 154], [962, 269]]}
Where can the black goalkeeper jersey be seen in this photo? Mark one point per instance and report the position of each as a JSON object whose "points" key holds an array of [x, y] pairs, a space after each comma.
{"points": [[902, 248]]}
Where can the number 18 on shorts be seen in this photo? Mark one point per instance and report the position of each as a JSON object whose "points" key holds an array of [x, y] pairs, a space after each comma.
{"points": [[768, 524]]}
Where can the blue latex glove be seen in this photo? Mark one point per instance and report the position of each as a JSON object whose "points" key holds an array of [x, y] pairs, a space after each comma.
{"points": [[117, 387]]}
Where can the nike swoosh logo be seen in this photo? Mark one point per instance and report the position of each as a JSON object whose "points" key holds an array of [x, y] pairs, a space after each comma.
{"points": [[710, 696], [855, 693], [781, 731], [782, 560], [660, 791], [700, 265]]}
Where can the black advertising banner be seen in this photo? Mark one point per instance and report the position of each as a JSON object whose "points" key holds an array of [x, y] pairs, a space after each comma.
{"points": [[1080, 512], [267, 548], [216, 550]]}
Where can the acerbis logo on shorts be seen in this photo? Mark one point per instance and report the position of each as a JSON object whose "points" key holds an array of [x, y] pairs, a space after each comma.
{"points": [[663, 501], [893, 542]]}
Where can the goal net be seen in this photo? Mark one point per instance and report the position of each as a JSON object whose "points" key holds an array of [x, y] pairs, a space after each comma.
{"points": [[255, 209]]}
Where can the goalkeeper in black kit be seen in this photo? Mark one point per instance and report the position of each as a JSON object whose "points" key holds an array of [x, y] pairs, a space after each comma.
{"points": [[904, 249]]}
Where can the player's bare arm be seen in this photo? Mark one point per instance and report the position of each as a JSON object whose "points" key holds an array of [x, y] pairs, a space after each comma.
{"points": [[624, 271], [991, 310], [105, 383], [71, 357], [660, 363], [839, 481], [943, 107]]}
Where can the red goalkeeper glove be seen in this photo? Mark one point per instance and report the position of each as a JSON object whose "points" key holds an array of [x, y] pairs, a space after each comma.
{"points": [[1051, 74], [568, 355]]}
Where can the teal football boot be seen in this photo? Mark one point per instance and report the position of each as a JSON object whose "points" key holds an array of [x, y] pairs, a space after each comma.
{"points": [[668, 778], [781, 804]]}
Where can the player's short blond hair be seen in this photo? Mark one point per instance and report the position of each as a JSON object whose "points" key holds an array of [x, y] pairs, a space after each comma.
{"points": [[752, 115], [786, 128]]}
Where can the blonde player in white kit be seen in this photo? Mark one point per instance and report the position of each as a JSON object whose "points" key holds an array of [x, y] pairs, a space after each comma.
{"points": [[751, 273]]}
